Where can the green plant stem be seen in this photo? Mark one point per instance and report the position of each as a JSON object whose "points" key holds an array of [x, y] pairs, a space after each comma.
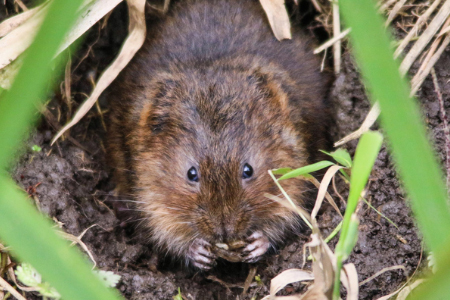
{"points": [[333, 233]]}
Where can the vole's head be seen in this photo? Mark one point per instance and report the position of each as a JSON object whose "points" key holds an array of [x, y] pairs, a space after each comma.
{"points": [[207, 140]]}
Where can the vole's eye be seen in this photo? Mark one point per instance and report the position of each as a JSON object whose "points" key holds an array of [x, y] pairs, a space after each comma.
{"points": [[192, 174], [248, 171]]}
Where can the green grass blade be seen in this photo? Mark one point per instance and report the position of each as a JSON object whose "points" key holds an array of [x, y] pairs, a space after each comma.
{"points": [[21, 226], [281, 171], [401, 120], [366, 153], [306, 169], [341, 156], [16, 105], [32, 240]]}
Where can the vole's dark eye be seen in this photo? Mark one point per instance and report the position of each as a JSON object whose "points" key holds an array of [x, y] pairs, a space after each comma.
{"points": [[192, 174], [248, 171]]}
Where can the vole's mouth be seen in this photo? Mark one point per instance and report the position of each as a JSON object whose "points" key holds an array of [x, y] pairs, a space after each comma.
{"points": [[231, 251]]}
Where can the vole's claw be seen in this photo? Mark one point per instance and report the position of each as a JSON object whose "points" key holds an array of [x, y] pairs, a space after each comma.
{"points": [[257, 247], [200, 255]]}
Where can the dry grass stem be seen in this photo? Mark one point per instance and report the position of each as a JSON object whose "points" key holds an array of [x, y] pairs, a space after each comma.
{"points": [[134, 41], [327, 195], [77, 240], [278, 18], [386, 5], [67, 87], [6, 286], [430, 60], [337, 48], [395, 10], [425, 37], [370, 119], [403, 294], [336, 191], [292, 207], [384, 270], [12, 276], [414, 31], [323, 190], [444, 31], [444, 121], [227, 285], [249, 279], [317, 6], [21, 5], [332, 41], [429, 63], [304, 216]]}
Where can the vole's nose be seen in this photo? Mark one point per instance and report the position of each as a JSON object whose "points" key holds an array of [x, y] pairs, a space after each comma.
{"points": [[227, 229]]}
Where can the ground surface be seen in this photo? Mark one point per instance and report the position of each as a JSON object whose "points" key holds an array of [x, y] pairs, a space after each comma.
{"points": [[72, 184]]}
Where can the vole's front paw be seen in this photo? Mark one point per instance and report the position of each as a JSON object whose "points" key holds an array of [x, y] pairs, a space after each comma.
{"points": [[257, 247], [200, 255]]}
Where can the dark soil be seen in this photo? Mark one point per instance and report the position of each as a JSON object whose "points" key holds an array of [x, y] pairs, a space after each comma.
{"points": [[73, 184]]}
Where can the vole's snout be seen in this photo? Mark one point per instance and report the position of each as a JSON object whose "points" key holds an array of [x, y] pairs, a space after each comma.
{"points": [[227, 228]]}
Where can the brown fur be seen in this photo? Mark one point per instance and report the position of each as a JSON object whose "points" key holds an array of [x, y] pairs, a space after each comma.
{"points": [[212, 88]]}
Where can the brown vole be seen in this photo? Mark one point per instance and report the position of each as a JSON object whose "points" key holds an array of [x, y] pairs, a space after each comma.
{"points": [[210, 104]]}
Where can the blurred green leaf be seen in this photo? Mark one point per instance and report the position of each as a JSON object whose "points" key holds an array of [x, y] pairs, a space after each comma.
{"points": [[403, 124], [21, 226], [36, 148]]}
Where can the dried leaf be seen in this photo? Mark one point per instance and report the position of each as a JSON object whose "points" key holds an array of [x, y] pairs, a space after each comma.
{"points": [[323, 190], [134, 41], [287, 277], [89, 15], [351, 276], [327, 195], [332, 41], [12, 23], [18, 40], [278, 18]]}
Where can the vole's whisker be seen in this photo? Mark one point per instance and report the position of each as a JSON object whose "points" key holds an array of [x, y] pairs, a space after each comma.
{"points": [[126, 200]]}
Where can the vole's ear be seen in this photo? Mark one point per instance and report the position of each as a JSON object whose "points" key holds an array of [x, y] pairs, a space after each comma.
{"points": [[270, 81], [156, 104]]}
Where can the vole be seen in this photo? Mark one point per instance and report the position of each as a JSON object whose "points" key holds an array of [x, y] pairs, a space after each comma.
{"points": [[209, 104]]}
